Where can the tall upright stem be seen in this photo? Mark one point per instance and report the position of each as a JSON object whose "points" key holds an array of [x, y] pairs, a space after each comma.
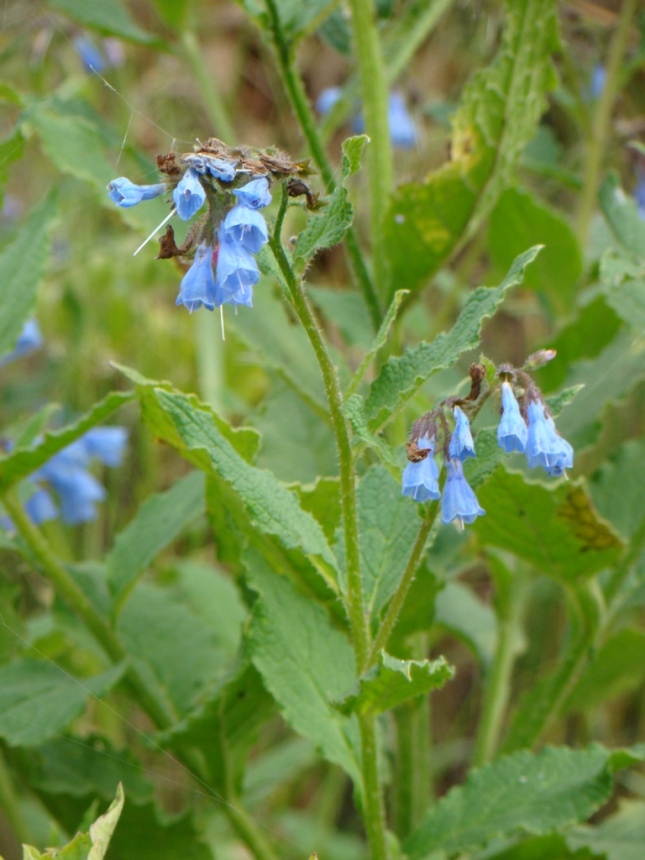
{"points": [[374, 98], [373, 794], [601, 122], [358, 620]]}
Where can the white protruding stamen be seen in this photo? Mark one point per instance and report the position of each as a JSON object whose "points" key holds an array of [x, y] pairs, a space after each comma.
{"points": [[221, 316], [156, 230]]}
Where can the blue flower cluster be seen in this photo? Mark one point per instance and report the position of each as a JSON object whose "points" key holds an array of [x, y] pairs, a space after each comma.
{"points": [[525, 427], [227, 272], [536, 436], [223, 268], [421, 476], [403, 132], [77, 490]]}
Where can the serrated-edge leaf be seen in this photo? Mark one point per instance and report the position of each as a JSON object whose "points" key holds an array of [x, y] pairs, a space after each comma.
{"points": [[157, 523], [23, 265], [23, 461], [534, 793], [392, 682], [402, 375], [353, 410], [273, 508]]}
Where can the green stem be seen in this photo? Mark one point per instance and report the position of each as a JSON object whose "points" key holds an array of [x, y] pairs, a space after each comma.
{"points": [[396, 604], [300, 103], [213, 102], [374, 97], [10, 805], [210, 357], [358, 621], [156, 708], [583, 618], [374, 816], [498, 688], [602, 120], [622, 570]]}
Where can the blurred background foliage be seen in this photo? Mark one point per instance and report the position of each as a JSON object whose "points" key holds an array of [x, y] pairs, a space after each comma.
{"points": [[169, 72]]}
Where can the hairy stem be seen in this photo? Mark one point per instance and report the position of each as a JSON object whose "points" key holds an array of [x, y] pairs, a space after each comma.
{"points": [[373, 794], [358, 621], [396, 604], [602, 120], [300, 104]]}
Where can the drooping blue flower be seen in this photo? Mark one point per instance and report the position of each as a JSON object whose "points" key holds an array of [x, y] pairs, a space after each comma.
{"points": [[126, 194], [198, 286], [544, 445], [421, 480], [40, 507], [461, 442], [327, 99], [106, 444], [403, 132], [598, 80], [29, 340], [255, 194], [459, 502], [217, 167], [78, 492], [189, 195], [236, 268], [247, 227], [91, 56], [512, 431]]}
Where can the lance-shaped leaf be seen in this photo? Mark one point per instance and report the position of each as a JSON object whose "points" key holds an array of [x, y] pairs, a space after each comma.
{"points": [[271, 507], [392, 682], [327, 229], [499, 111], [306, 664], [402, 375], [23, 461], [107, 17], [532, 793], [22, 264], [159, 520], [621, 212]]}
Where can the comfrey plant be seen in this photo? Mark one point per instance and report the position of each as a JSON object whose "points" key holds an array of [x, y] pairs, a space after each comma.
{"points": [[220, 248], [525, 426]]}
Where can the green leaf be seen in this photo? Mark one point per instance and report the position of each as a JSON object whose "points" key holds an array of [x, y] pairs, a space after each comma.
{"points": [[628, 301], [617, 487], [108, 18], [614, 669], [402, 375], [157, 523], [553, 527], [174, 13], [39, 700], [466, 616], [23, 461], [23, 265], [392, 682], [619, 837], [226, 726], [322, 500], [499, 111], [519, 219], [527, 792], [379, 340], [93, 768], [11, 149], [172, 644], [72, 143], [327, 229], [355, 413], [552, 847], [306, 664], [621, 213], [273, 509], [388, 526], [142, 836]]}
